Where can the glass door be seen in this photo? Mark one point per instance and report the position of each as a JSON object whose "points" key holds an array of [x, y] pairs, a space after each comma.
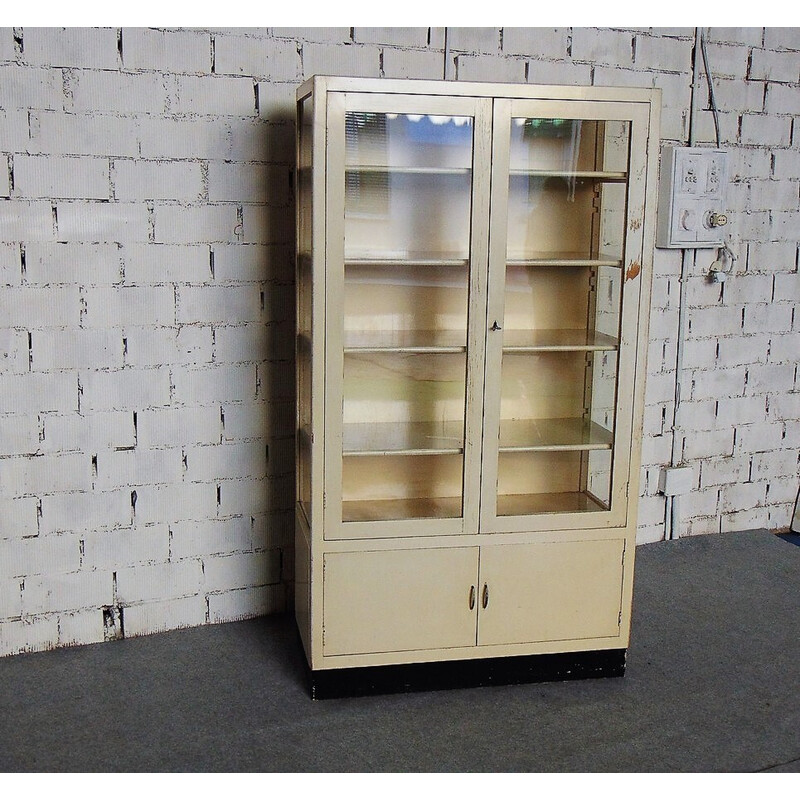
{"points": [[407, 262], [568, 187]]}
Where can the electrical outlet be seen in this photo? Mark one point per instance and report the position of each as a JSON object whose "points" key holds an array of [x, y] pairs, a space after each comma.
{"points": [[692, 197]]}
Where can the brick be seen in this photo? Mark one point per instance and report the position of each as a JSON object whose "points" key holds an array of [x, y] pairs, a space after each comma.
{"points": [[703, 502], [699, 353], [88, 48], [751, 36], [164, 615], [166, 51], [474, 40], [56, 392], [252, 496], [718, 383], [782, 490], [735, 350], [42, 474], [708, 443], [784, 406], [28, 635], [81, 627], [125, 547], [157, 180], [193, 224], [536, 42], [727, 470], [150, 347], [742, 496], [171, 503], [784, 347], [75, 348], [651, 510], [252, 262], [18, 519], [770, 378], [5, 180], [340, 59], [91, 134], [123, 92], [247, 183], [14, 352], [217, 96], [80, 511], [246, 603], [224, 461], [219, 304], [242, 343], [191, 425], [87, 432], [103, 222], [663, 53], [10, 599], [125, 389], [266, 224], [128, 305], [725, 60], [195, 344], [759, 437], [737, 410], [425, 64], [23, 304], [749, 288], [774, 66], [782, 99], [14, 129], [738, 95], [778, 463], [19, 435], [217, 384], [27, 88], [169, 137], [508, 69], [163, 263], [241, 570], [773, 194], [262, 58], [698, 415], [65, 592], [138, 467], [612, 47], [246, 421], [318, 34], [262, 140], [276, 103], [787, 287], [771, 318], [26, 220], [273, 529], [158, 581], [780, 38], [70, 263], [39, 554], [10, 265], [211, 537]]}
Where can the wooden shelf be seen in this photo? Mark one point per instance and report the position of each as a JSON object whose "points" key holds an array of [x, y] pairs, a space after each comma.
{"points": [[403, 438], [405, 508], [592, 175], [387, 169], [440, 341], [525, 435], [558, 340], [562, 259], [510, 505], [406, 259]]}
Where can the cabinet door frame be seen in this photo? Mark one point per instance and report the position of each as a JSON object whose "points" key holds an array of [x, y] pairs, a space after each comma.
{"points": [[480, 109], [633, 281]]}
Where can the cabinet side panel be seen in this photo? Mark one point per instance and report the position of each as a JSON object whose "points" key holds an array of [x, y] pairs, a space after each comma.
{"points": [[302, 583]]}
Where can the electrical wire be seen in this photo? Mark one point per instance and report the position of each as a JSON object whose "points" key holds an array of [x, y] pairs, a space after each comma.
{"points": [[712, 102]]}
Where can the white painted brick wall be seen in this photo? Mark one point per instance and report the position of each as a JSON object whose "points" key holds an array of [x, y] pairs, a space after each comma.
{"points": [[146, 340]]}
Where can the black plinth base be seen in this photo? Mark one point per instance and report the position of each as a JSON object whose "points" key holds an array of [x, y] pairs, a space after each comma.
{"points": [[360, 681]]}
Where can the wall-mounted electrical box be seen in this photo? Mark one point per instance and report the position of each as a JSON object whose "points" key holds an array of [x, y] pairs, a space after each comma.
{"points": [[692, 210]]}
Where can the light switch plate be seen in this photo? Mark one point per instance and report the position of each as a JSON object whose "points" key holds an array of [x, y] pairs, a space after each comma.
{"points": [[692, 195]]}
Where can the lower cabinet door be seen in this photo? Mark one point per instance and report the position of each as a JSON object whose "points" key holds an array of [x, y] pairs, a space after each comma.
{"points": [[398, 600], [554, 591]]}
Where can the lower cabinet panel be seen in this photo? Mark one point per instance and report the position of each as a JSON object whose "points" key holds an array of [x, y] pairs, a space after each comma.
{"points": [[397, 600], [550, 591]]}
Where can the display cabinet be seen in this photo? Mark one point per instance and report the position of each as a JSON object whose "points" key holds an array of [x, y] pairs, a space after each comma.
{"points": [[473, 269]]}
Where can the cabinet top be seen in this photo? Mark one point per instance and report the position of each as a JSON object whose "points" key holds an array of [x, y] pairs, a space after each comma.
{"points": [[328, 83]]}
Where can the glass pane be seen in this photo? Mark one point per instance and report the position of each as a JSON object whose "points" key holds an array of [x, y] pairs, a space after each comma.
{"points": [[408, 183], [563, 293]]}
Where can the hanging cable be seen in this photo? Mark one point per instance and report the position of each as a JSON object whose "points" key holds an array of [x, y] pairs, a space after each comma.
{"points": [[712, 103]]}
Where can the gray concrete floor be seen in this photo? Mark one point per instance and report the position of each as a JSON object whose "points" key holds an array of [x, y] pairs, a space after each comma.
{"points": [[712, 685]]}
